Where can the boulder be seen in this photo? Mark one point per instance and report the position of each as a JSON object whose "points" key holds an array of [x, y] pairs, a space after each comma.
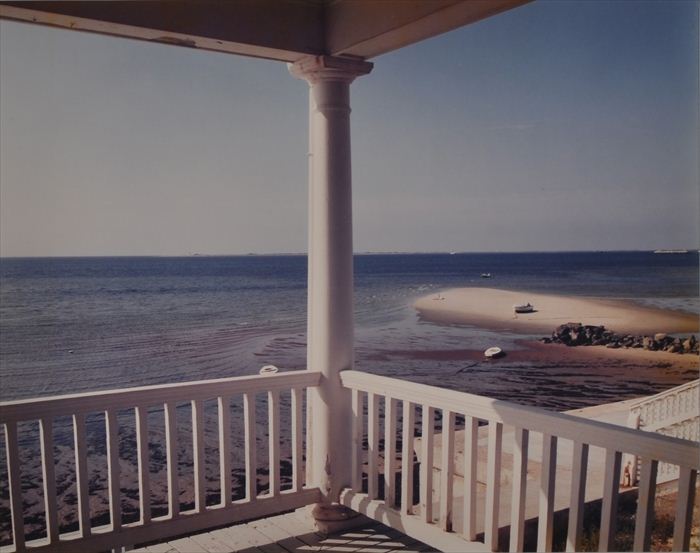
{"points": [[576, 334]]}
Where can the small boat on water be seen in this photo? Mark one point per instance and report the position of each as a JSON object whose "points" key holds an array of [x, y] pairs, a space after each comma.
{"points": [[485, 275], [494, 353], [524, 308]]}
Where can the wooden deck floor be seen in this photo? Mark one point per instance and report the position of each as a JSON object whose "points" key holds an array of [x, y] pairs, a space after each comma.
{"points": [[292, 532]]}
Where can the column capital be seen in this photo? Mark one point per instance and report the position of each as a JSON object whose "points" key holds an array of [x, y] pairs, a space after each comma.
{"points": [[329, 68]]}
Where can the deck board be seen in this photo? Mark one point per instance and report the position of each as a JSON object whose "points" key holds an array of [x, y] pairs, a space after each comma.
{"points": [[291, 533], [210, 543], [187, 545]]}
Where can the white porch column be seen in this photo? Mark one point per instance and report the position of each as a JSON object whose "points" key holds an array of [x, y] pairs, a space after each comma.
{"points": [[330, 279]]}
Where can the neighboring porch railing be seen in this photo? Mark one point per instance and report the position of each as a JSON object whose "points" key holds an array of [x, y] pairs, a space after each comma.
{"points": [[165, 398], [674, 412], [392, 501]]}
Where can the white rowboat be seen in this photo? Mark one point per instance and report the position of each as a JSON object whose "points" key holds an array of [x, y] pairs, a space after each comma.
{"points": [[493, 353]]}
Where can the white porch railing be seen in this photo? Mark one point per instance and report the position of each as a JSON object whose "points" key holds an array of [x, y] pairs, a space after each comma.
{"points": [[434, 524], [175, 522], [436, 519]]}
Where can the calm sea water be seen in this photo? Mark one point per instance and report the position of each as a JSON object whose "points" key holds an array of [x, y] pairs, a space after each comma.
{"points": [[79, 324], [71, 325]]}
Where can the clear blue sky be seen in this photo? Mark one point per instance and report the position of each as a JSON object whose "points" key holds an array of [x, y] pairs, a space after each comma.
{"points": [[556, 126]]}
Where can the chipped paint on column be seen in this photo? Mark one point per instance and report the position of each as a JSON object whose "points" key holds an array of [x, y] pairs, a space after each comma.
{"points": [[330, 302]]}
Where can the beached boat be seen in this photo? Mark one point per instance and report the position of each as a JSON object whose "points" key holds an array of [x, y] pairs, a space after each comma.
{"points": [[524, 308], [494, 352]]}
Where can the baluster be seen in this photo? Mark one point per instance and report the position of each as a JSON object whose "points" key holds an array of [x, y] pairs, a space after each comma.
{"points": [[357, 440], [521, 440], [308, 469], [49, 475], [251, 462], [390, 451], [608, 515], [273, 418], [578, 496], [81, 480], [373, 445], [546, 511], [684, 509], [409, 422], [297, 440], [143, 464], [447, 476], [471, 450], [200, 498], [12, 452], [645, 505], [493, 485], [224, 409], [172, 459], [426, 465], [112, 428]]}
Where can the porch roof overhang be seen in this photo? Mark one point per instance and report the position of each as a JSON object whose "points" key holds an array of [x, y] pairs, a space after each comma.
{"points": [[284, 30]]}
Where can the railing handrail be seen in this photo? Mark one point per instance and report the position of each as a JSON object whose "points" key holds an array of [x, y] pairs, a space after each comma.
{"points": [[596, 433], [89, 402], [663, 395]]}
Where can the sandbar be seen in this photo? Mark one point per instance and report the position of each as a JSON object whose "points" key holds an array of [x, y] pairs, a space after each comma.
{"points": [[493, 308]]}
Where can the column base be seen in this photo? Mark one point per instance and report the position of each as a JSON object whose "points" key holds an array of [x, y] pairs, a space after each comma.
{"points": [[331, 518]]}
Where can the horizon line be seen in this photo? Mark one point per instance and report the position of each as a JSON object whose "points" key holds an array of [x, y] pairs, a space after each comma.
{"points": [[360, 253]]}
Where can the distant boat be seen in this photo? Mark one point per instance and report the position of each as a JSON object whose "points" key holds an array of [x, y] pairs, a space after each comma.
{"points": [[493, 353], [670, 251], [485, 275], [524, 308]]}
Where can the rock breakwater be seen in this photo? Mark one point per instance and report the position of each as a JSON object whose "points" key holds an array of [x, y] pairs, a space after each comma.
{"points": [[577, 334]]}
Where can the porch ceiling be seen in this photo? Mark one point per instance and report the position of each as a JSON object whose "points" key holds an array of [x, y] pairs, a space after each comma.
{"points": [[284, 30]]}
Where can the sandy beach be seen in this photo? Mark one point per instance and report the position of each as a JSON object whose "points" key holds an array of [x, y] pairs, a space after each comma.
{"points": [[493, 308]]}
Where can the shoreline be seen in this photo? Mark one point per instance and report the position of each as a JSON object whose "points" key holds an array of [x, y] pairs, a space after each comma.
{"points": [[492, 309], [641, 358], [596, 358]]}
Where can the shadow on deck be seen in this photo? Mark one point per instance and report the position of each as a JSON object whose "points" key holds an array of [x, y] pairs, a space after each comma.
{"points": [[294, 533]]}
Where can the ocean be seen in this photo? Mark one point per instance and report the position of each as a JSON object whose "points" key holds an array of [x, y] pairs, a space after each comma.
{"points": [[80, 324], [71, 325]]}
